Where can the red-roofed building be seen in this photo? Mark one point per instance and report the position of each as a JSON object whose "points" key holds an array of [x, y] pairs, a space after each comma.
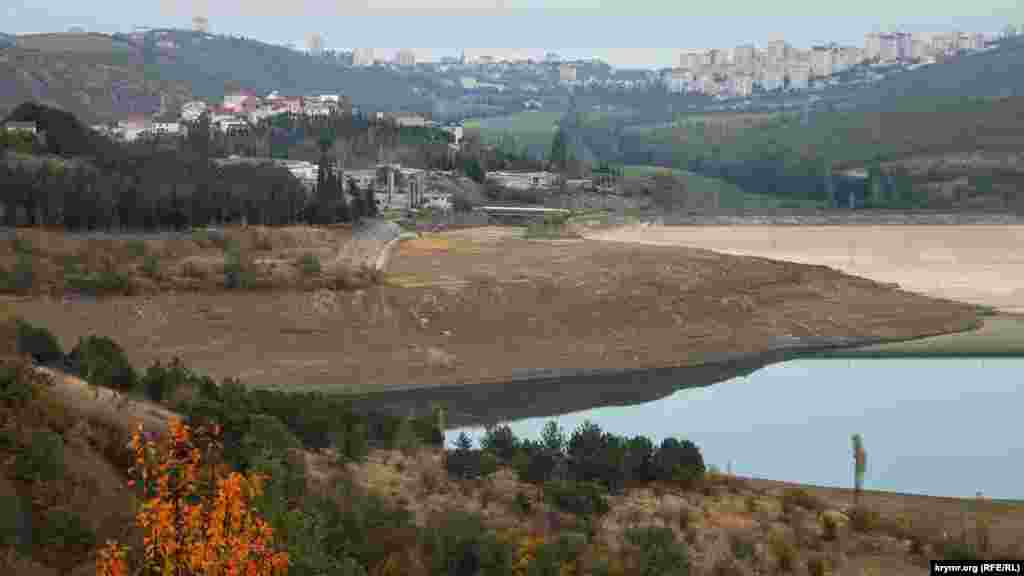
{"points": [[242, 102]]}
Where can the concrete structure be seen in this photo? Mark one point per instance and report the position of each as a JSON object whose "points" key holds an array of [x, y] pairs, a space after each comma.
{"points": [[524, 180], [26, 127], [201, 24], [362, 57], [410, 121], [744, 58], [691, 60], [405, 57], [164, 128], [567, 73], [777, 51], [315, 44]]}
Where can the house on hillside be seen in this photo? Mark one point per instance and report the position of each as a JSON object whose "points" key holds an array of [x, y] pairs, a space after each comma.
{"points": [[26, 127], [243, 102], [191, 111], [133, 127]]}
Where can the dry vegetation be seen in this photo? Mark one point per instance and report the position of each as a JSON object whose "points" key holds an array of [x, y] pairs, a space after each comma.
{"points": [[100, 264]]}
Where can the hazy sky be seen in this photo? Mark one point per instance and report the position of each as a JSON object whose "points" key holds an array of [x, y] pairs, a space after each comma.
{"points": [[631, 32]]}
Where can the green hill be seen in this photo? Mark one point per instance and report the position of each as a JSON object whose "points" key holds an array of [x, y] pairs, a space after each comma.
{"points": [[93, 85]]}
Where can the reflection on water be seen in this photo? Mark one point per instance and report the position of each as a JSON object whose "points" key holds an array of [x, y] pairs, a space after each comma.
{"points": [[944, 427]]}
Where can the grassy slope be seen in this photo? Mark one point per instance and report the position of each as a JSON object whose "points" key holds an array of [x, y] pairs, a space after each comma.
{"points": [[533, 129], [730, 196], [998, 336]]}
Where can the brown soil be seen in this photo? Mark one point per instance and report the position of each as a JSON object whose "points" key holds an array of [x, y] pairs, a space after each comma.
{"points": [[476, 306]]}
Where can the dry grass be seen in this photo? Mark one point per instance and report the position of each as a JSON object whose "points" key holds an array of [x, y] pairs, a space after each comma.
{"points": [[268, 257]]}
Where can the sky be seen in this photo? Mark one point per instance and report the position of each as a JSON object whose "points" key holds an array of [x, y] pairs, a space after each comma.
{"points": [[624, 33]]}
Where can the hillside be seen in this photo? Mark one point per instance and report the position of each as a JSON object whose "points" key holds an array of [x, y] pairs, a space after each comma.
{"points": [[94, 85], [996, 73]]}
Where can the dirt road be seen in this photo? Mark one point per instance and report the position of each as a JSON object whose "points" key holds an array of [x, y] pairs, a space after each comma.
{"points": [[980, 264]]}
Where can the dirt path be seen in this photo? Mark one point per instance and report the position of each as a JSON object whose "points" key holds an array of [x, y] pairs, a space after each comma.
{"points": [[980, 264]]}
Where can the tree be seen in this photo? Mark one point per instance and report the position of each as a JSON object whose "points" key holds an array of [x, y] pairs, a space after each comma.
{"points": [[559, 150], [198, 520]]}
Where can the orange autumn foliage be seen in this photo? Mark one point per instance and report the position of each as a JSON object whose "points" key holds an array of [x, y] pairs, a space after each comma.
{"points": [[198, 519]]}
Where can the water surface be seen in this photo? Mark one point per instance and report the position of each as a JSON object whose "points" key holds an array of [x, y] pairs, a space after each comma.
{"points": [[936, 426]]}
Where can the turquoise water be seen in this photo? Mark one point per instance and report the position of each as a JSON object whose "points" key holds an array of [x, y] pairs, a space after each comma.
{"points": [[941, 427]]}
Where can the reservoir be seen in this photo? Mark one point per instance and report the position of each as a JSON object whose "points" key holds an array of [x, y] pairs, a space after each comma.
{"points": [[932, 426]]}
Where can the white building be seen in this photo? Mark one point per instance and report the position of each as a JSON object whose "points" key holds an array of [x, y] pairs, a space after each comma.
{"points": [[191, 111], [362, 57], [777, 51], [164, 128], [741, 85], [410, 121], [744, 58], [566, 73], [405, 57], [691, 60], [823, 60]]}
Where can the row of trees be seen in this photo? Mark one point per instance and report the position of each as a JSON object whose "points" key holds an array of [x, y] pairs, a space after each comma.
{"points": [[81, 180]]}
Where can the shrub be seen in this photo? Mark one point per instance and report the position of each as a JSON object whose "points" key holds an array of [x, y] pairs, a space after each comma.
{"points": [[521, 504], [742, 545], [793, 498], [658, 554], [459, 543], [468, 464], [101, 362], [21, 245], [829, 528], [65, 530], [150, 266], [175, 510], [679, 461], [267, 438], [15, 522], [236, 270], [819, 566], [21, 278], [15, 386], [39, 343], [863, 519], [499, 441], [580, 498], [107, 280], [784, 552], [309, 264], [136, 248], [42, 460], [160, 382]]}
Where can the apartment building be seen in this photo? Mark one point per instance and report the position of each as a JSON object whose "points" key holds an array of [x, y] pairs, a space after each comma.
{"points": [[566, 73], [690, 60], [406, 58], [744, 58], [823, 60], [362, 57], [777, 51], [741, 85]]}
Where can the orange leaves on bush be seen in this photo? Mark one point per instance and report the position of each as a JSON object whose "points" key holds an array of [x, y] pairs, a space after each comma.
{"points": [[197, 518]]}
